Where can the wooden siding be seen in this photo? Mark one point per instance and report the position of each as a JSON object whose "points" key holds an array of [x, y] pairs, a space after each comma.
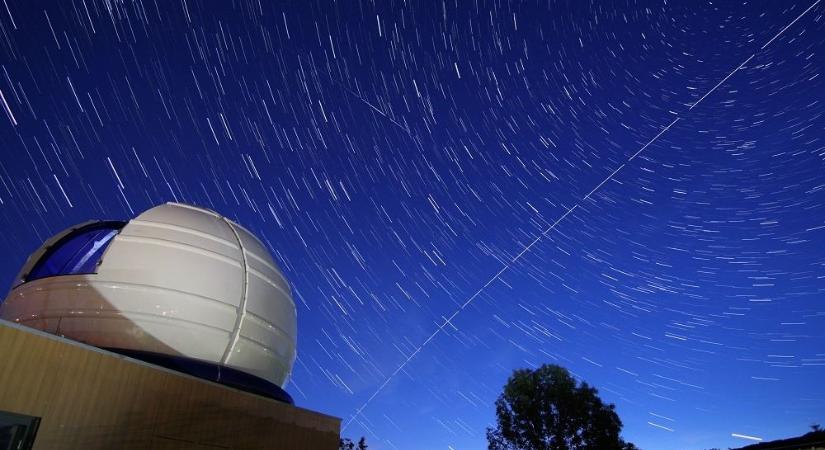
{"points": [[92, 399]]}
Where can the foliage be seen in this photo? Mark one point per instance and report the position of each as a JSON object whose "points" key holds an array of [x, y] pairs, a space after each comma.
{"points": [[347, 444], [545, 409]]}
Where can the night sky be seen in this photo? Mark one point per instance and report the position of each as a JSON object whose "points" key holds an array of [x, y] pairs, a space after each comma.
{"points": [[456, 189]]}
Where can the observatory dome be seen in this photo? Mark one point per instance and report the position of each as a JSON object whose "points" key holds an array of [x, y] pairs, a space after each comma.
{"points": [[177, 281]]}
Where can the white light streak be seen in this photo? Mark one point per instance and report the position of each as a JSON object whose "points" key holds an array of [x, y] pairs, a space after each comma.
{"points": [[745, 436]]}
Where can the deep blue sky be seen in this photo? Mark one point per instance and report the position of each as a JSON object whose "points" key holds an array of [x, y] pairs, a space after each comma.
{"points": [[395, 154]]}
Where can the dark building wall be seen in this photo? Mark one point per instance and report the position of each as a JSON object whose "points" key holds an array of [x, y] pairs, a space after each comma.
{"points": [[91, 399]]}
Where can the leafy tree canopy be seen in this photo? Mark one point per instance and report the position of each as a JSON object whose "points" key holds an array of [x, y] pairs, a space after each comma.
{"points": [[545, 409]]}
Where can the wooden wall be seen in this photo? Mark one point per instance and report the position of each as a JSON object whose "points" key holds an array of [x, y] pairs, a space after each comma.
{"points": [[91, 399]]}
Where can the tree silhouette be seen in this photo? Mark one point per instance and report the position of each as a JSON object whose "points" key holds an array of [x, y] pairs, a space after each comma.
{"points": [[347, 444], [545, 409]]}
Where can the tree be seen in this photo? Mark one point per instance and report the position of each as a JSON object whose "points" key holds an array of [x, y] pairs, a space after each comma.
{"points": [[545, 409], [347, 444]]}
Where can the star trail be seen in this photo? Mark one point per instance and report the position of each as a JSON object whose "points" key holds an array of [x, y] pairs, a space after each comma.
{"points": [[634, 190]]}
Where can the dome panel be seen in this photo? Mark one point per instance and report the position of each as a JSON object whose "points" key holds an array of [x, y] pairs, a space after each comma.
{"points": [[45, 325], [198, 219], [257, 254], [279, 313], [184, 236], [148, 300], [248, 353], [78, 297], [173, 266], [153, 334], [274, 339]]}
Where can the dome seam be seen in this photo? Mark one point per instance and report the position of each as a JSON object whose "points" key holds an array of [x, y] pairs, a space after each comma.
{"points": [[244, 295]]}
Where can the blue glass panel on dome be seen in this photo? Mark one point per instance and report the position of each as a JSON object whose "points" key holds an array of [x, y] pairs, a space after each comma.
{"points": [[76, 253]]}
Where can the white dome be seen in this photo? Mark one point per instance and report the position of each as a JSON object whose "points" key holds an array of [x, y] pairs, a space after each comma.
{"points": [[177, 280]]}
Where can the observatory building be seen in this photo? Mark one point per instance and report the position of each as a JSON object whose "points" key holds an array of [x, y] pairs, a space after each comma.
{"points": [[175, 329]]}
